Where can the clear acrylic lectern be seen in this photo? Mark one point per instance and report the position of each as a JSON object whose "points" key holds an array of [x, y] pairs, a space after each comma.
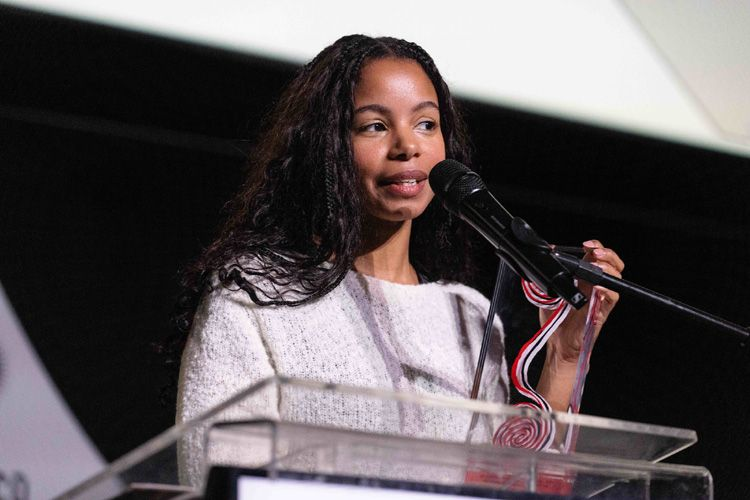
{"points": [[487, 453]]}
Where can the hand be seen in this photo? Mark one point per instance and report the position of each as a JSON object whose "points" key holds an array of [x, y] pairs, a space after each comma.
{"points": [[565, 345]]}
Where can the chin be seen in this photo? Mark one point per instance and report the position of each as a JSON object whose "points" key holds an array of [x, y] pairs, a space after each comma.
{"points": [[399, 214]]}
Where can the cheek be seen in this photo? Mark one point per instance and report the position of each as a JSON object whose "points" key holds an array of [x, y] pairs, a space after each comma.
{"points": [[437, 154], [364, 155], [440, 150]]}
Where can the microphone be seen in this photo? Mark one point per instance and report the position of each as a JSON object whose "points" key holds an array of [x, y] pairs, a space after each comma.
{"points": [[464, 194]]}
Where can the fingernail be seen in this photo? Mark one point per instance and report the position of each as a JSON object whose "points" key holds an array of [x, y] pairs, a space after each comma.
{"points": [[598, 253], [589, 244]]}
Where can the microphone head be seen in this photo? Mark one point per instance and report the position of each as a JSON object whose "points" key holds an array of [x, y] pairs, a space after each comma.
{"points": [[444, 173], [452, 181]]}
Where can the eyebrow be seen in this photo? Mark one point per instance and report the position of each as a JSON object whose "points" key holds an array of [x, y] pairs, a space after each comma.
{"points": [[379, 108]]}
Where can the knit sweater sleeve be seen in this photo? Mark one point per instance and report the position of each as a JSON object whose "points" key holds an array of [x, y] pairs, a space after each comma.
{"points": [[224, 354]]}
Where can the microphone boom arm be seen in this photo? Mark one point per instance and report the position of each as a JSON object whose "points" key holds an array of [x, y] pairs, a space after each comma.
{"points": [[596, 276]]}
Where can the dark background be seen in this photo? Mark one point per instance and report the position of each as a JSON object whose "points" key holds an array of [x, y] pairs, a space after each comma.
{"points": [[118, 150]]}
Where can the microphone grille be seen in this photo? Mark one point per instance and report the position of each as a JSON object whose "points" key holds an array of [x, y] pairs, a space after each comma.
{"points": [[444, 173], [464, 186]]}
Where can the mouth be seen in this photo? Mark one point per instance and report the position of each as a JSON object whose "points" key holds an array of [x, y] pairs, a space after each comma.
{"points": [[407, 178], [406, 184]]}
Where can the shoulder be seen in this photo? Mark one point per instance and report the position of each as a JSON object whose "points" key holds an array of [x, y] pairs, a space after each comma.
{"points": [[268, 280], [229, 299], [224, 315]]}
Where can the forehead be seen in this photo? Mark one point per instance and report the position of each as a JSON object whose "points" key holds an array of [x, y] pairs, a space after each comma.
{"points": [[393, 79]]}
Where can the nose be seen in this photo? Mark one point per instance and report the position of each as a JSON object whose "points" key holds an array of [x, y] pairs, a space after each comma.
{"points": [[405, 145]]}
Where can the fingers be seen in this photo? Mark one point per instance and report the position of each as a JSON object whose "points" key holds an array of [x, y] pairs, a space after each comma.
{"points": [[609, 262], [607, 296], [605, 258], [608, 268]]}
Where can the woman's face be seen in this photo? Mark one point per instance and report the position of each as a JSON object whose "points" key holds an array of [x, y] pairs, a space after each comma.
{"points": [[396, 138]]}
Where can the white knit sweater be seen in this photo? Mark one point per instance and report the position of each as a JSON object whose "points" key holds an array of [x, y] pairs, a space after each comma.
{"points": [[367, 332]]}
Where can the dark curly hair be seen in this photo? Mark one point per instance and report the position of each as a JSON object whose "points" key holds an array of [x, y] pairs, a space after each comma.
{"points": [[296, 222]]}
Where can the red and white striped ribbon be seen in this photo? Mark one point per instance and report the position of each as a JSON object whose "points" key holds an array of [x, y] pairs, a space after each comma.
{"points": [[529, 432]]}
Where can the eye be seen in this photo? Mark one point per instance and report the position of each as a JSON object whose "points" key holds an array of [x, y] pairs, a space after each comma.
{"points": [[373, 127], [427, 125]]}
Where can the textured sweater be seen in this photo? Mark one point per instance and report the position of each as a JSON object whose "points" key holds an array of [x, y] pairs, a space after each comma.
{"points": [[424, 339]]}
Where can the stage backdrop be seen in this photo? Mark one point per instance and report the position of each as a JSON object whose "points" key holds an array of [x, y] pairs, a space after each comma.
{"points": [[118, 150]]}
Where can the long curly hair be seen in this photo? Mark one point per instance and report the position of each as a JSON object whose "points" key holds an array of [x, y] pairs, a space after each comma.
{"points": [[295, 224]]}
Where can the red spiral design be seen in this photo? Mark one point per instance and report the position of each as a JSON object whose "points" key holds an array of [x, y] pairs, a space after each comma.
{"points": [[529, 432]]}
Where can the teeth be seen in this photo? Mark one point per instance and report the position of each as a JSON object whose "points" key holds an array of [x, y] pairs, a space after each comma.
{"points": [[409, 182]]}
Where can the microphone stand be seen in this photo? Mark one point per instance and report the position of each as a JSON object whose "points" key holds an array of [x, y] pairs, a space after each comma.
{"points": [[486, 338], [596, 276], [586, 271], [528, 244]]}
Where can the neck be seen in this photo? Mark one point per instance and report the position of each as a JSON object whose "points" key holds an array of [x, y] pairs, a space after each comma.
{"points": [[385, 252]]}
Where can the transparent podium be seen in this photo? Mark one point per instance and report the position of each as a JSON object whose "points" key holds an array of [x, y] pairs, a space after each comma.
{"points": [[430, 445]]}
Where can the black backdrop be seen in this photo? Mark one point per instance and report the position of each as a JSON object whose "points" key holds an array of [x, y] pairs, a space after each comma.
{"points": [[117, 151]]}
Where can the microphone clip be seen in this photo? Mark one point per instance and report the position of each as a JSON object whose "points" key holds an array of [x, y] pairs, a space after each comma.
{"points": [[543, 266]]}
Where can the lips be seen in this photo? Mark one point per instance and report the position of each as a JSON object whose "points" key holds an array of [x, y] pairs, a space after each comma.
{"points": [[405, 177], [406, 184]]}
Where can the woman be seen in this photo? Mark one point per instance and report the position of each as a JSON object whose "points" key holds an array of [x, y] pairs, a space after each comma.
{"points": [[337, 265]]}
